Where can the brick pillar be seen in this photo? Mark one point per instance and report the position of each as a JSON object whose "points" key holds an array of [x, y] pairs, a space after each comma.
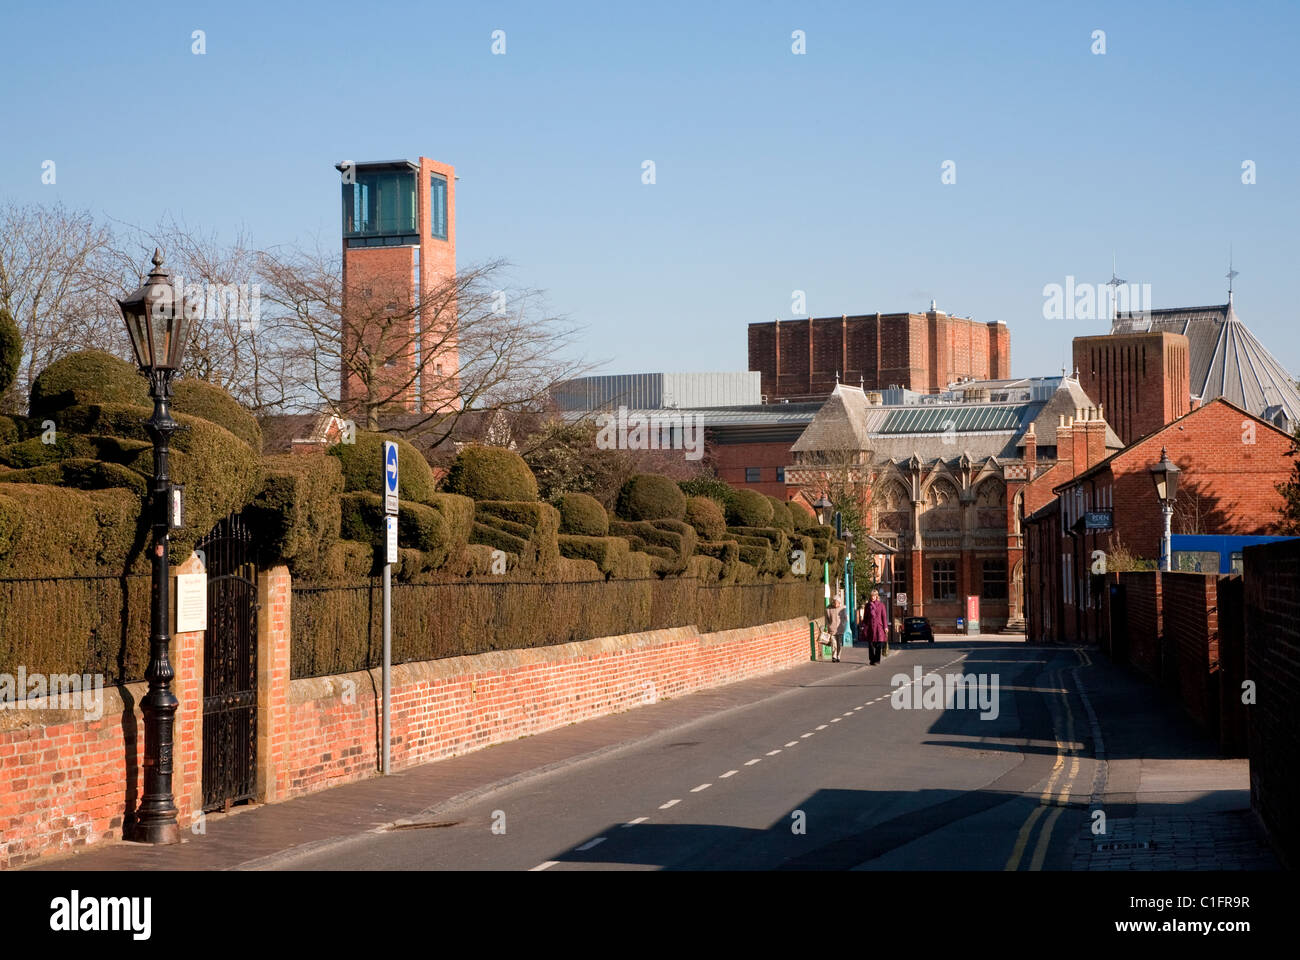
{"points": [[186, 655], [274, 592]]}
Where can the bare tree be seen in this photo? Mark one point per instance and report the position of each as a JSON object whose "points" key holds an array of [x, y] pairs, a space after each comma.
{"points": [[465, 344], [56, 269]]}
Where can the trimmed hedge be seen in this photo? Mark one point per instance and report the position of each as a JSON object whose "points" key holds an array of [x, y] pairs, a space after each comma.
{"points": [[748, 508], [647, 496], [81, 473], [491, 473], [48, 531], [8, 429], [539, 550], [706, 516], [582, 515], [210, 402], [781, 517], [419, 527], [670, 540], [719, 491], [296, 513], [637, 566], [87, 377], [458, 517], [704, 568], [363, 467], [348, 560], [609, 554]]}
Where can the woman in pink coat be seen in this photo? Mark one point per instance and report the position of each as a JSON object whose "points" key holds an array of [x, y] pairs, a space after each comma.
{"points": [[875, 626]]}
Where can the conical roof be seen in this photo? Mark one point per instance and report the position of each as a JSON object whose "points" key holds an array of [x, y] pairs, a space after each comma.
{"points": [[1226, 360]]}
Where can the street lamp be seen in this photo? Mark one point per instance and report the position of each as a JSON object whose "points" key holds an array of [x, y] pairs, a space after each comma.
{"points": [[1165, 476], [158, 320], [823, 508]]}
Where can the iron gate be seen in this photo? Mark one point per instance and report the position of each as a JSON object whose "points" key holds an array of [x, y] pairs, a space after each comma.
{"points": [[230, 666]]}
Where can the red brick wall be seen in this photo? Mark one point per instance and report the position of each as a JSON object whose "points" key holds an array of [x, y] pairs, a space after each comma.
{"points": [[70, 781], [1234, 716], [1191, 620], [1272, 585], [731, 459], [446, 707], [1142, 591], [923, 352], [1141, 379]]}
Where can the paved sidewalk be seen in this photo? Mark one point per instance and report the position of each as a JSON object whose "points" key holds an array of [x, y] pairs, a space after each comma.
{"points": [[249, 833], [1170, 801]]}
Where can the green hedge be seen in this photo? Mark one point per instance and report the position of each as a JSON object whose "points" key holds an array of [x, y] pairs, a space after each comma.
{"points": [[704, 568], [637, 566], [296, 513], [363, 467], [647, 496], [419, 527], [582, 515], [11, 350], [88, 377], [719, 491], [706, 516], [748, 508], [48, 531], [609, 554], [781, 516], [491, 473], [541, 547], [82, 474], [458, 517], [673, 541], [8, 429], [210, 402]]}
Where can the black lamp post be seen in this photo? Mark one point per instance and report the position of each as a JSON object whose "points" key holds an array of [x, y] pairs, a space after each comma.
{"points": [[823, 508], [158, 320], [1165, 476]]}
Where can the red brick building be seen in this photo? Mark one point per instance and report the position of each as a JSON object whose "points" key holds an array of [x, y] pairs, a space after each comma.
{"points": [[1140, 380], [1231, 463], [924, 352], [399, 268]]}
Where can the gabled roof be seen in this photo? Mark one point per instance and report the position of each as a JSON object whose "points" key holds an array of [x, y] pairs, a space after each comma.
{"points": [[1067, 401], [840, 424], [1105, 464], [1226, 359]]}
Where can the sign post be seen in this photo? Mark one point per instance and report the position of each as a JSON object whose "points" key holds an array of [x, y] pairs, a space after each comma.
{"points": [[390, 556]]}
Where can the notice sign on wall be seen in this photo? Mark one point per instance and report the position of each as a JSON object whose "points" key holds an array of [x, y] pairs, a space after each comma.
{"points": [[191, 602]]}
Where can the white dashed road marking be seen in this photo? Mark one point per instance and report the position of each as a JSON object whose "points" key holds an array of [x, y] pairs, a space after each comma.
{"points": [[729, 773], [543, 866], [822, 727], [792, 743], [665, 806], [804, 736], [702, 786], [633, 823], [773, 753], [750, 763], [591, 843]]}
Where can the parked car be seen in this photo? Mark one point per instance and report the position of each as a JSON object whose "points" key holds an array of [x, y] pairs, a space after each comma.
{"points": [[917, 628]]}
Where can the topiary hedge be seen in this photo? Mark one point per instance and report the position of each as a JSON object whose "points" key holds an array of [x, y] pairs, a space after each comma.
{"points": [[458, 518], [490, 473], [706, 516], [647, 496], [296, 513], [748, 508], [210, 402], [419, 527], [670, 540], [535, 525], [609, 554], [781, 516], [704, 568], [11, 350], [87, 377], [582, 515], [363, 467], [48, 531], [719, 491], [82, 474]]}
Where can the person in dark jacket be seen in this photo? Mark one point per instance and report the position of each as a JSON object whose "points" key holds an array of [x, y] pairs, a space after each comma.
{"points": [[875, 625]]}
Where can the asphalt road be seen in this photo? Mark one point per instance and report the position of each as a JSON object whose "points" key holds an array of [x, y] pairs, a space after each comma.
{"points": [[828, 775]]}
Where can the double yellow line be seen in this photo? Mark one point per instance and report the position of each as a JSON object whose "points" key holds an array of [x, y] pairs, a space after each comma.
{"points": [[1052, 805]]}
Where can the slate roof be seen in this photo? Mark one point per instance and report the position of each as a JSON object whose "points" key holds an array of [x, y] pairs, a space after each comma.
{"points": [[1226, 359], [939, 431]]}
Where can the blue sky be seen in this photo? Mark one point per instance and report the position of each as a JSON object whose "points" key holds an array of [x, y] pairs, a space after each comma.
{"points": [[775, 172]]}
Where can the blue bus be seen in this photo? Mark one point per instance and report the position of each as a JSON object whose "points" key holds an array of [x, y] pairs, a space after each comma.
{"points": [[1196, 553]]}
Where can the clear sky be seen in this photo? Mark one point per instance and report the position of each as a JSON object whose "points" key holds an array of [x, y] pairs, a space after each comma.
{"points": [[774, 171]]}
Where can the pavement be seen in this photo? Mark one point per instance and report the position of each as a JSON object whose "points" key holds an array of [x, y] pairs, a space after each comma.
{"points": [[813, 767]]}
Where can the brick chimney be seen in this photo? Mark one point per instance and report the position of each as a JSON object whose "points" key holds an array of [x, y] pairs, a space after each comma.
{"points": [[1096, 434], [1065, 444], [1031, 446], [1079, 441]]}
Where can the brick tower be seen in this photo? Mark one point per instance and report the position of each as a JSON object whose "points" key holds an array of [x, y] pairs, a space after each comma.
{"points": [[1141, 379], [399, 274]]}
